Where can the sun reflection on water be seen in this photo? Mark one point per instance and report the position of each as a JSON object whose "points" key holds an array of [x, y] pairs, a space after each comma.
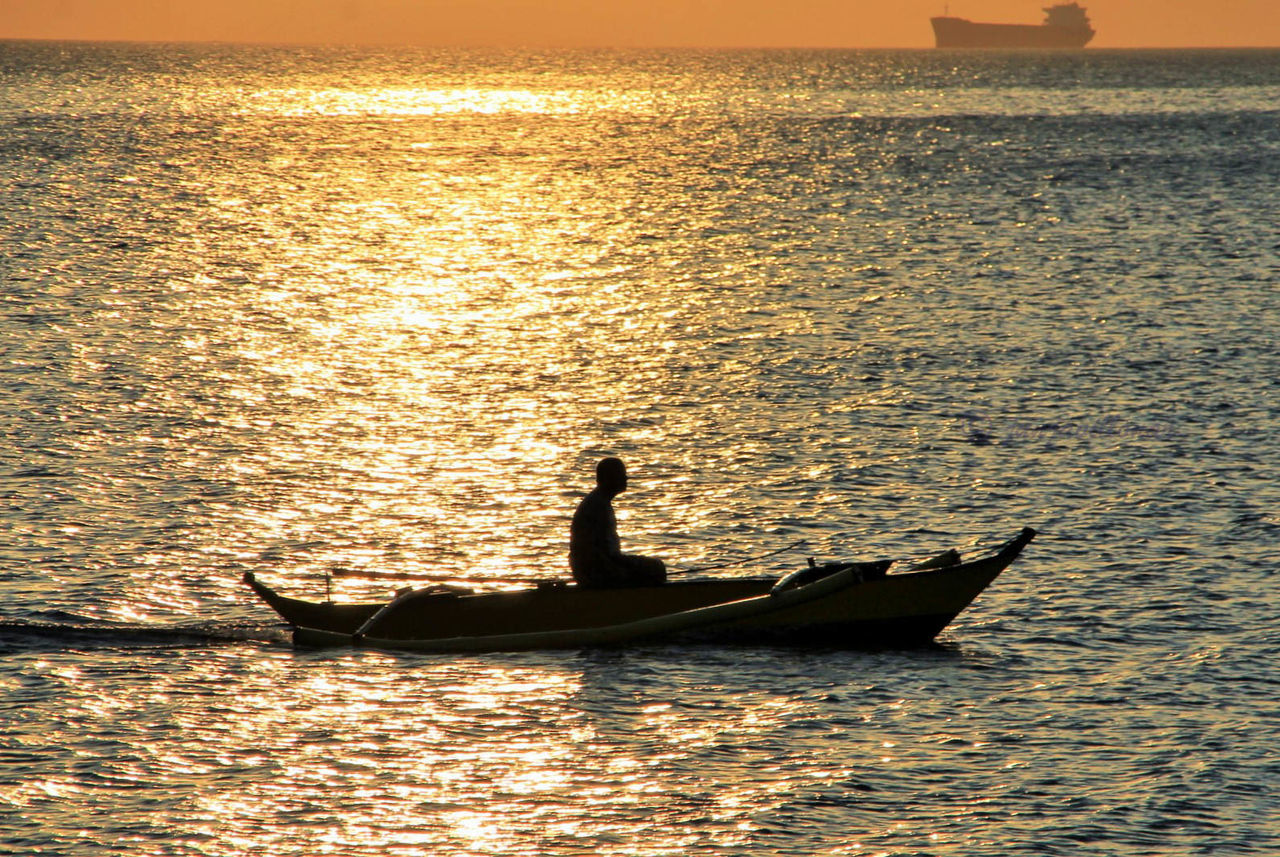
{"points": [[425, 102], [373, 754], [432, 395]]}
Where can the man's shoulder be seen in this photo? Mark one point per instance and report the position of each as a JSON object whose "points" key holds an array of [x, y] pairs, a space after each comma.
{"points": [[595, 502]]}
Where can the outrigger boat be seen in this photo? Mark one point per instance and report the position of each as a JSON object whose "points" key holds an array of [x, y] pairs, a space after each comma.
{"points": [[846, 604]]}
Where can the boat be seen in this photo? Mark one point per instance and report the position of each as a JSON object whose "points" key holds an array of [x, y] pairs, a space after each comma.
{"points": [[1065, 26], [842, 604]]}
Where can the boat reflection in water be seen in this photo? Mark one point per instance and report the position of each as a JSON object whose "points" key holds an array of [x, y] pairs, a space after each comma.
{"points": [[1065, 26]]}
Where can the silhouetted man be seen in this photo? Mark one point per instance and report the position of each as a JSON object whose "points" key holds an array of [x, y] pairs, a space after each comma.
{"points": [[595, 554]]}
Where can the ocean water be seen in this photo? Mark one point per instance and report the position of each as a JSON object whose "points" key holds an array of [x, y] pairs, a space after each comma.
{"points": [[373, 314]]}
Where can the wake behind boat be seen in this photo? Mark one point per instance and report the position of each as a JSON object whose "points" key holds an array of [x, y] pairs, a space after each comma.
{"points": [[843, 604]]}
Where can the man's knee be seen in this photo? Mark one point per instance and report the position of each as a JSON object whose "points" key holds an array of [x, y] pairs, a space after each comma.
{"points": [[648, 570]]}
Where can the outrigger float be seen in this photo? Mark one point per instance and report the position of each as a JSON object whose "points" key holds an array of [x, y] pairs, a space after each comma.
{"points": [[843, 604]]}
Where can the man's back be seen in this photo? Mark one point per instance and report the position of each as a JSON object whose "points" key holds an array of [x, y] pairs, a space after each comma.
{"points": [[593, 538]]}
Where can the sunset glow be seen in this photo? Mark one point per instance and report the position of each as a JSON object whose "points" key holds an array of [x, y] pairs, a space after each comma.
{"points": [[621, 23]]}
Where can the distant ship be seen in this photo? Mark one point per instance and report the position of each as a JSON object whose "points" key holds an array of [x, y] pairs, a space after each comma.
{"points": [[1065, 26]]}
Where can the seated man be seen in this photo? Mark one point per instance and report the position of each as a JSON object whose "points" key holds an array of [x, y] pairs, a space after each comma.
{"points": [[595, 554]]}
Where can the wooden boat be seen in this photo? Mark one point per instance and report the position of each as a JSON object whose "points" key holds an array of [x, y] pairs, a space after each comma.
{"points": [[843, 604]]}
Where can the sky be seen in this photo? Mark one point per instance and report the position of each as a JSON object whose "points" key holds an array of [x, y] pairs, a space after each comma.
{"points": [[623, 23]]}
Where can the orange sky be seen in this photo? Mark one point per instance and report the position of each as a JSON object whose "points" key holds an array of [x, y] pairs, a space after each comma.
{"points": [[624, 23]]}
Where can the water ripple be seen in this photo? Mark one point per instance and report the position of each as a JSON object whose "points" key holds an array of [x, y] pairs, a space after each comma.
{"points": [[337, 315]]}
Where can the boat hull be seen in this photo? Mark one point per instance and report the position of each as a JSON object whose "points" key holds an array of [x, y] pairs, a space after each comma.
{"points": [[857, 606], [961, 33]]}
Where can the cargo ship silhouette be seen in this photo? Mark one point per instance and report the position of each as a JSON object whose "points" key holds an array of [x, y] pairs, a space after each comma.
{"points": [[1065, 26]]}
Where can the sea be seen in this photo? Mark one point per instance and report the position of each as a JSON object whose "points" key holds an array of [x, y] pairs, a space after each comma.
{"points": [[352, 319]]}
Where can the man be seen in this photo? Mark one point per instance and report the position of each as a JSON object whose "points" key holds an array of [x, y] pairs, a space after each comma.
{"points": [[595, 554]]}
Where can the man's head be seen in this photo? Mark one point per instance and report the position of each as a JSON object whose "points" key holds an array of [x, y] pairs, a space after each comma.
{"points": [[611, 475]]}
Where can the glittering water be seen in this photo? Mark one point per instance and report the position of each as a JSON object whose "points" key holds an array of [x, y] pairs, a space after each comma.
{"points": [[309, 311]]}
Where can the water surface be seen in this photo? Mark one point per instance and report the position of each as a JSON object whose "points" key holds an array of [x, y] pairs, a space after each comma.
{"points": [[309, 311]]}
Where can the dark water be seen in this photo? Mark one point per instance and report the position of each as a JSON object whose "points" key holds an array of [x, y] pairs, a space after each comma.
{"points": [[309, 311]]}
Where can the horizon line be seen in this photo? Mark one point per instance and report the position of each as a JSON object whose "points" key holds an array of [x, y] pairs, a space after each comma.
{"points": [[302, 43]]}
